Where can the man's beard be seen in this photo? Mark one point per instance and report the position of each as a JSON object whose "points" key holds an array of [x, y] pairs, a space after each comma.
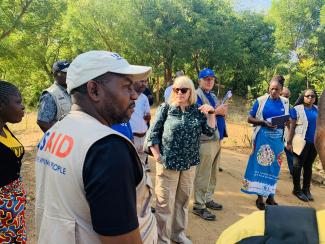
{"points": [[116, 116]]}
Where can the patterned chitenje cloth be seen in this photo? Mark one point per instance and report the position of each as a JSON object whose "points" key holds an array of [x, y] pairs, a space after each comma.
{"points": [[264, 163], [12, 208]]}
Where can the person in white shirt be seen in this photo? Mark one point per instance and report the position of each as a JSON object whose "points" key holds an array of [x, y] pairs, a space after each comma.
{"points": [[139, 119], [167, 92]]}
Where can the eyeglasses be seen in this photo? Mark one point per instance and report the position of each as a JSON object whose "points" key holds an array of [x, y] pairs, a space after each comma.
{"points": [[310, 96], [183, 90]]}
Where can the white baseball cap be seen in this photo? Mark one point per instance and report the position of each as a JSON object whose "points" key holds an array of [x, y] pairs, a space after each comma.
{"points": [[92, 64]]}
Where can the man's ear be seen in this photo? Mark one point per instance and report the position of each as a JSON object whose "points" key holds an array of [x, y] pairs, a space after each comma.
{"points": [[94, 90]]}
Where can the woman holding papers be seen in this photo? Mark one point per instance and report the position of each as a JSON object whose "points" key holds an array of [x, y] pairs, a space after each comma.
{"points": [[264, 163], [301, 142]]}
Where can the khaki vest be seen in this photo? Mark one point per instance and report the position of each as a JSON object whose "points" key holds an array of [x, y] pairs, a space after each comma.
{"points": [[61, 98], [259, 114], [62, 211], [298, 141], [216, 136]]}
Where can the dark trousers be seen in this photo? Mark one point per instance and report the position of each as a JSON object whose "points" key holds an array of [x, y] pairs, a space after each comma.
{"points": [[305, 160], [289, 155]]}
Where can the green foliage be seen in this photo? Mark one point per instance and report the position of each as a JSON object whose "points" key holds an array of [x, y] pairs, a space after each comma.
{"points": [[295, 21], [244, 48], [296, 84]]}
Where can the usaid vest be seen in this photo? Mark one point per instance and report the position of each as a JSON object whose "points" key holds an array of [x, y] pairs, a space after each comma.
{"points": [[62, 211], [61, 98], [259, 114]]}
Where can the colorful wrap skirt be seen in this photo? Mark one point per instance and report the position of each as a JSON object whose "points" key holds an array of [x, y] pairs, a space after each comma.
{"points": [[264, 164], [12, 209]]}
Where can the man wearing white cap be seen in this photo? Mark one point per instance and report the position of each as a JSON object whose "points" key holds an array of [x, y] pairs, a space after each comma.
{"points": [[90, 183]]}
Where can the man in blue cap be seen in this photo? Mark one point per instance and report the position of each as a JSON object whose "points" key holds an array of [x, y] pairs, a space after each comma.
{"points": [[54, 101], [210, 150]]}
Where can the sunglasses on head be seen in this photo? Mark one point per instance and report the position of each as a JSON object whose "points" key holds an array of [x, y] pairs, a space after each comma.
{"points": [[183, 90], [310, 96]]}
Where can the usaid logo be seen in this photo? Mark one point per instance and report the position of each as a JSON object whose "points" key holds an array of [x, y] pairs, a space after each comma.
{"points": [[57, 144], [116, 56]]}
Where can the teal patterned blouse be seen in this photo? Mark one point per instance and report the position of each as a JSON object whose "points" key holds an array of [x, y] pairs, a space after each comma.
{"points": [[178, 135]]}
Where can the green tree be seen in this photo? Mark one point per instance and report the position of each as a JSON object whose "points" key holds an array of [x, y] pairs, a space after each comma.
{"points": [[11, 15], [34, 48], [295, 21]]}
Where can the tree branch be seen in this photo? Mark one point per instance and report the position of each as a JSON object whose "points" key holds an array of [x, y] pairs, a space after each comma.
{"points": [[23, 11]]}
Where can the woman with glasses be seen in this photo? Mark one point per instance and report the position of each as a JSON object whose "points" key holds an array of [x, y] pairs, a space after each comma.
{"points": [[174, 140], [301, 142], [263, 167], [12, 194]]}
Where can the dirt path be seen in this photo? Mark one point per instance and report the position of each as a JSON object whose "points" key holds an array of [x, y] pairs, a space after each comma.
{"points": [[236, 204]]}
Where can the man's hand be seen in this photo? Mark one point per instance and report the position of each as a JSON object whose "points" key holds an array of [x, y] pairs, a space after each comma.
{"points": [[147, 117], [222, 110]]}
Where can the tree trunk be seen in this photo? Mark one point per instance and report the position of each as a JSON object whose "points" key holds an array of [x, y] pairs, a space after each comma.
{"points": [[158, 91], [168, 74], [196, 57], [168, 66]]}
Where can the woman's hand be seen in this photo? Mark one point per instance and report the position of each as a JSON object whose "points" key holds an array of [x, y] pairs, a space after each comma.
{"points": [[209, 112], [269, 125], [158, 159], [156, 153], [289, 146], [207, 109]]}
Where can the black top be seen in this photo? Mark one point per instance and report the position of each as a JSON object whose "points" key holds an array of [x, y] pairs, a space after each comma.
{"points": [[281, 226], [111, 172], [10, 164]]}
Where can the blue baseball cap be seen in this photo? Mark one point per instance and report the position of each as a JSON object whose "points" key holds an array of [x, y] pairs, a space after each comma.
{"points": [[206, 73], [60, 66]]}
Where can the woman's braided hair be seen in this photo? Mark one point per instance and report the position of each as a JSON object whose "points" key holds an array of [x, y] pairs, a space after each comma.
{"points": [[7, 89]]}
